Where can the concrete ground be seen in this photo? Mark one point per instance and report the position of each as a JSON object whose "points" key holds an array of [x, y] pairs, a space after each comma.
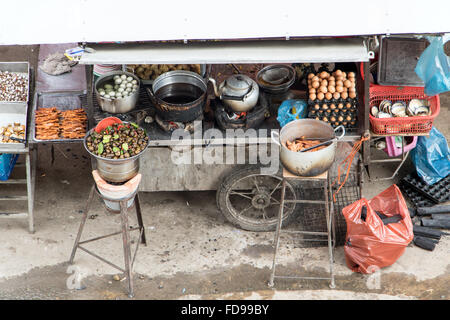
{"points": [[191, 252]]}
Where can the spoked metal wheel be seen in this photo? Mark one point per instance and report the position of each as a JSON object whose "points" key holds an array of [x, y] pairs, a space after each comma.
{"points": [[251, 200]]}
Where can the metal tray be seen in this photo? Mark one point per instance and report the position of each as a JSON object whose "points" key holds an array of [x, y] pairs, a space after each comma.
{"points": [[22, 68], [10, 113], [63, 101], [398, 59]]}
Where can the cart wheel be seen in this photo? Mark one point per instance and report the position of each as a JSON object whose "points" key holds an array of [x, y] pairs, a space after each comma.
{"points": [[251, 200]]}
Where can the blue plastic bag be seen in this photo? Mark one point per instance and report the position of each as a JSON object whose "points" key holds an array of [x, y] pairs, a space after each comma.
{"points": [[291, 110], [7, 163], [431, 157], [433, 66]]}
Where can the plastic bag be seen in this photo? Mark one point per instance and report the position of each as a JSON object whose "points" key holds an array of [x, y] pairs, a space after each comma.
{"points": [[431, 157], [433, 66], [7, 163], [291, 110], [371, 244]]}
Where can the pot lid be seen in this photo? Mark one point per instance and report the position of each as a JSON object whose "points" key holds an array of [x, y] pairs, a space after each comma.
{"points": [[238, 82]]}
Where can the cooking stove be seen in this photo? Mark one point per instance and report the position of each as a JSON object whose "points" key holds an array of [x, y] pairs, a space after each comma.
{"points": [[170, 126], [228, 119]]}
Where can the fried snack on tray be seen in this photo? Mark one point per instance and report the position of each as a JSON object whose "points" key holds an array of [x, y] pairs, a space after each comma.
{"points": [[73, 124], [300, 144], [47, 123], [52, 123]]}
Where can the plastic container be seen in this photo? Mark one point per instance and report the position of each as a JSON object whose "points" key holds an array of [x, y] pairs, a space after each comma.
{"points": [[393, 151], [7, 163], [401, 125]]}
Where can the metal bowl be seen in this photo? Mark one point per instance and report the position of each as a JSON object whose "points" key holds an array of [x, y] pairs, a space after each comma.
{"points": [[121, 105], [276, 78], [116, 170]]}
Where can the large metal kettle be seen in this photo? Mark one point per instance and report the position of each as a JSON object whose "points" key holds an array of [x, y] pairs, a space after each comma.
{"points": [[239, 92]]}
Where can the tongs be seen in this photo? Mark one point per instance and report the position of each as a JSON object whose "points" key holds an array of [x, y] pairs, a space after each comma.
{"points": [[12, 138]]}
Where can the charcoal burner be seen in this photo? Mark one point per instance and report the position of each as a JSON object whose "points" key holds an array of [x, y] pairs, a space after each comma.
{"points": [[170, 126], [228, 119]]}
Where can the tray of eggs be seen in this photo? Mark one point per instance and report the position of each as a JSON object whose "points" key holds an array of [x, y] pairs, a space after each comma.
{"points": [[335, 87], [336, 114]]}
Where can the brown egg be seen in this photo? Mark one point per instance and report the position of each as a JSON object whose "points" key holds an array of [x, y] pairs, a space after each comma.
{"points": [[320, 96], [340, 105], [336, 95], [310, 75], [348, 118], [333, 119], [331, 89], [317, 118], [323, 89], [352, 89], [340, 118], [324, 107], [352, 94], [351, 75], [339, 83], [316, 106], [344, 75], [324, 74], [338, 72], [339, 89], [315, 78], [347, 83], [312, 90], [331, 78], [332, 83], [328, 95], [344, 95], [348, 105], [324, 83], [332, 106], [315, 84], [312, 96], [325, 119]]}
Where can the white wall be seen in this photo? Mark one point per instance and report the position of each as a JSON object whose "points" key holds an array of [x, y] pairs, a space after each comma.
{"points": [[57, 21]]}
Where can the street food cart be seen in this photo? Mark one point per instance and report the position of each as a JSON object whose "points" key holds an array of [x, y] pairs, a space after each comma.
{"points": [[241, 34]]}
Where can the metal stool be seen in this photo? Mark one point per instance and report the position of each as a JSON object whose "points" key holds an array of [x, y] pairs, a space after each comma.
{"points": [[329, 210], [125, 234]]}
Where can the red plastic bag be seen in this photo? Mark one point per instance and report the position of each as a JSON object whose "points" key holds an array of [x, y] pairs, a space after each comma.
{"points": [[371, 244]]}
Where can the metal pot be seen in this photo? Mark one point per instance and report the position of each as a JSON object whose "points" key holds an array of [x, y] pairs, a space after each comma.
{"points": [[178, 95], [115, 170], [276, 79], [122, 105], [239, 92], [307, 164]]}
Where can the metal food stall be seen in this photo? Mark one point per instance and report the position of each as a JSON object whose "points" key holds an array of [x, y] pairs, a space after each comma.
{"points": [[168, 165]]}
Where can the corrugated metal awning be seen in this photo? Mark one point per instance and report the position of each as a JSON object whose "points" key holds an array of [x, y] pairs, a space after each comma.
{"points": [[248, 51]]}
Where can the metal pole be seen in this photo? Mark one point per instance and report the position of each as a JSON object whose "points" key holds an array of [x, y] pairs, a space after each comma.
{"points": [[277, 232], [329, 221], [29, 193], [139, 218], [83, 221], [126, 246]]}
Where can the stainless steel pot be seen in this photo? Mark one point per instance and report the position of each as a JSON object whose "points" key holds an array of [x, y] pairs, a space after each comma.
{"points": [[307, 164], [117, 105], [178, 95], [115, 170]]}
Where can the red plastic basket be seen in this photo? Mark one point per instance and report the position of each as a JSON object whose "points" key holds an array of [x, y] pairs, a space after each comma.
{"points": [[398, 125]]}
